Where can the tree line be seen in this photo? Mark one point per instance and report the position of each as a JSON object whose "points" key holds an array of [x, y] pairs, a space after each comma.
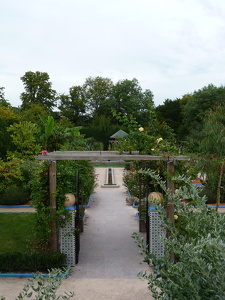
{"points": [[89, 114], [94, 105]]}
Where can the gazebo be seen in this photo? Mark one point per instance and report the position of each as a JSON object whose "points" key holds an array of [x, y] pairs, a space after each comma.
{"points": [[119, 134]]}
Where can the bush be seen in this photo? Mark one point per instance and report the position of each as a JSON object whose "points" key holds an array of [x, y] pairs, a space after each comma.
{"points": [[66, 183], [31, 262], [14, 195], [10, 173], [197, 240]]}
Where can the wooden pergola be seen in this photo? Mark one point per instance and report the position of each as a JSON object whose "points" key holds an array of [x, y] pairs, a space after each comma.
{"points": [[104, 157]]}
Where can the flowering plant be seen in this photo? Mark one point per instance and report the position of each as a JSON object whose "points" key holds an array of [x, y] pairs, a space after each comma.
{"points": [[66, 174]]}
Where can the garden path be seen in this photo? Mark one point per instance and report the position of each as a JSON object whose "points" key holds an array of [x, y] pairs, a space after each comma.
{"points": [[107, 248], [109, 259]]}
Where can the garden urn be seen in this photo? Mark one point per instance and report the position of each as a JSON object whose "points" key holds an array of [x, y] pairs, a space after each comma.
{"points": [[155, 198], [69, 199]]}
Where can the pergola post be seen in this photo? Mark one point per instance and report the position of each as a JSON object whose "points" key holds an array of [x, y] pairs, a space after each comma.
{"points": [[52, 191]]}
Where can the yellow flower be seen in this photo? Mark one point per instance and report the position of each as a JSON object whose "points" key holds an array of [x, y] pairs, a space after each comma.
{"points": [[159, 140], [152, 149], [175, 217], [141, 129]]}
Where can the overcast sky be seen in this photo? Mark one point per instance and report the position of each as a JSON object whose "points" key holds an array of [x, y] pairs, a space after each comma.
{"points": [[172, 47]]}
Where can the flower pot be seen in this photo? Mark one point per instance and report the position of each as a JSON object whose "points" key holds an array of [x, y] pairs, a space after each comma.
{"points": [[69, 200]]}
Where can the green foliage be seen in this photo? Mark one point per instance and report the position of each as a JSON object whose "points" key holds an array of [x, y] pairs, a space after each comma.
{"points": [[38, 90], [10, 173], [73, 140], [66, 179], [15, 181], [170, 113], [100, 129], [14, 195], [97, 92], [199, 103], [61, 136], [140, 139], [33, 112], [3, 101], [214, 132], [23, 137], [212, 148], [129, 99], [66, 172], [197, 240], [49, 125], [135, 183], [7, 118], [31, 262], [137, 139], [73, 106]]}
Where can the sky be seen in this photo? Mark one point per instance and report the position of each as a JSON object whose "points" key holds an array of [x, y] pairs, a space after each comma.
{"points": [[172, 47]]}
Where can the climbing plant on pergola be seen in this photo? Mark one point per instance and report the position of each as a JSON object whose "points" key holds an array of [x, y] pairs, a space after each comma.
{"points": [[104, 157]]}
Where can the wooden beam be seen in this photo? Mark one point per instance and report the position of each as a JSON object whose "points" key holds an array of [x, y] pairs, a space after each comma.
{"points": [[106, 156], [52, 190]]}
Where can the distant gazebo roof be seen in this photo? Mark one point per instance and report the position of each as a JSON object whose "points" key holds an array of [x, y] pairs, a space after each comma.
{"points": [[119, 134]]}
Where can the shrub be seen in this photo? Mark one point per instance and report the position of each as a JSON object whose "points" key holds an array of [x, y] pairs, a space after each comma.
{"points": [[31, 262], [14, 195], [135, 184], [10, 173], [66, 183], [197, 240]]}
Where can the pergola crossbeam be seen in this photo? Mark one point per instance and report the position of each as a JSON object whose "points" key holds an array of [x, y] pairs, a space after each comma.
{"points": [[106, 156]]}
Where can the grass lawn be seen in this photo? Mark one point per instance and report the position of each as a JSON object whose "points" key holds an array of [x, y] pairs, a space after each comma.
{"points": [[108, 166], [16, 231]]}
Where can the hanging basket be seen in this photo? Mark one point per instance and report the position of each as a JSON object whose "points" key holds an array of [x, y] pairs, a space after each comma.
{"points": [[69, 199]]}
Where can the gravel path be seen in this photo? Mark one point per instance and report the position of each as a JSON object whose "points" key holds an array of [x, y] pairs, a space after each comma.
{"points": [[109, 259]]}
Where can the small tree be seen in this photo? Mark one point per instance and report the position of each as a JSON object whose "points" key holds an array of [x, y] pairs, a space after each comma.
{"points": [[23, 137]]}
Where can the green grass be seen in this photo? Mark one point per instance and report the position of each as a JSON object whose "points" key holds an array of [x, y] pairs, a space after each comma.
{"points": [[16, 231], [108, 165]]}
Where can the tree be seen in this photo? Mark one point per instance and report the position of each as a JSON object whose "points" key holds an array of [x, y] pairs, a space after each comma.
{"points": [[38, 90], [23, 137], [72, 106], [33, 112], [101, 128], [129, 99], [200, 102], [3, 101], [212, 148], [127, 95], [170, 112], [7, 118], [98, 95]]}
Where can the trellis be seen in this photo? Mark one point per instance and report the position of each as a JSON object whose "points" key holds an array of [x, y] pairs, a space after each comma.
{"points": [[104, 157]]}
